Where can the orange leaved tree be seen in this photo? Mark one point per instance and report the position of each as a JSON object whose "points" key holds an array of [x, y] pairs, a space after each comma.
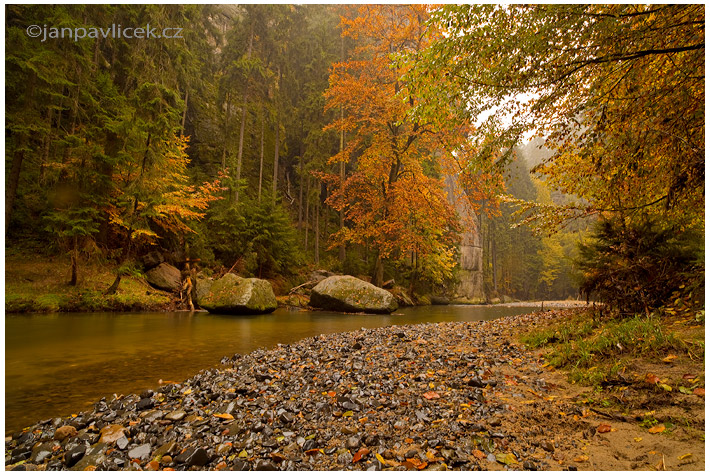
{"points": [[394, 199]]}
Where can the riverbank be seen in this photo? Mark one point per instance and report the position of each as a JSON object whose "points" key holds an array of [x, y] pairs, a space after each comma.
{"points": [[35, 283], [461, 395]]}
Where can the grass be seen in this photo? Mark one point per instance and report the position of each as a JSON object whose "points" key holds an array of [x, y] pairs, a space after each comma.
{"points": [[595, 350], [39, 283]]}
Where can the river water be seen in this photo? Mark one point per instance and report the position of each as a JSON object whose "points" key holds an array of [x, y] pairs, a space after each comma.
{"points": [[57, 364]]}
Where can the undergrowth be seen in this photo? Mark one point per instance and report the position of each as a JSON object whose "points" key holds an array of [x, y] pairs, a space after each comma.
{"points": [[595, 350]]}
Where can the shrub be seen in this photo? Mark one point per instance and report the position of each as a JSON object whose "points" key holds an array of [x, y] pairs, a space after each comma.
{"points": [[638, 266]]}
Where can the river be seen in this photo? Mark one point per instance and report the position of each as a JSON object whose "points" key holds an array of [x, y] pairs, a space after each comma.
{"points": [[56, 364]]}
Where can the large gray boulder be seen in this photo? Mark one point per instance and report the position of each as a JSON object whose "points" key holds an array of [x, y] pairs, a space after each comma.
{"points": [[164, 276], [234, 295], [349, 294]]}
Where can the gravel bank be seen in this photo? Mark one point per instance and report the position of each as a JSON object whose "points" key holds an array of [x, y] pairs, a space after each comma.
{"points": [[433, 396]]}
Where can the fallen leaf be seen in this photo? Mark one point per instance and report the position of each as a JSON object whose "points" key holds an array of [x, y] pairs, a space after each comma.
{"points": [[331, 394], [657, 429], [152, 466], [478, 454], [699, 392], [685, 390], [416, 463], [670, 358], [581, 459], [604, 428], [380, 458], [507, 459], [687, 455], [688, 376], [650, 378], [665, 387], [359, 454], [224, 416], [431, 395], [312, 451], [637, 439]]}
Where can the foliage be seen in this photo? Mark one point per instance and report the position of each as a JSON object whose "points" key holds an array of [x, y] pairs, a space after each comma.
{"points": [[257, 235], [637, 266], [390, 203], [616, 90]]}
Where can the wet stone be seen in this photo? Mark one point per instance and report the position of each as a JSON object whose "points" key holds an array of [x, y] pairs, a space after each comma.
{"points": [[122, 443], [140, 452], [192, 457]]}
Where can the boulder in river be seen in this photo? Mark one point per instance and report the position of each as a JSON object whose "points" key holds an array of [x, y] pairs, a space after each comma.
{"points": [[232, 294], [164, 276], [349, 294]]}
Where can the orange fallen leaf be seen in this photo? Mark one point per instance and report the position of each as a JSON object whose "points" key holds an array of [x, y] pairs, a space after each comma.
{"points": [[417, 463], [359, 454], [699, 392], [657, 429], [581, 459], [604, 428], [431, 395], [652, 379], [331, 394], [152, 466], [670, 358], [478, 454], [224, 416], [313, 451]]}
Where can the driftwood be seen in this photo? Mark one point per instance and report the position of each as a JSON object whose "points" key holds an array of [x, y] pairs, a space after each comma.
{"points": [[314, 282]]}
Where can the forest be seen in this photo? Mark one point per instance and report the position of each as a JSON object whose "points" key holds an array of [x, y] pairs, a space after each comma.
{"points": [[268, 140], [354, 237]]}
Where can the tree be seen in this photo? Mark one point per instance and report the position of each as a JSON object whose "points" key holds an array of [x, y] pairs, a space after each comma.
{"points": [[390, 203], [617, 90]]}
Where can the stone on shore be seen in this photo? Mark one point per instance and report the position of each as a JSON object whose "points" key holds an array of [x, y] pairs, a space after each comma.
{"points": [[234, 295], [349, 294], [164, 276]]}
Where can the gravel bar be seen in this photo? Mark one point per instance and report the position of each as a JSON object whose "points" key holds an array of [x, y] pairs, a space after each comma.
{"points": [[458, 395]]}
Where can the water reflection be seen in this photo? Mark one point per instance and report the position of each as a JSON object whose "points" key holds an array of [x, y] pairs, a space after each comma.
{"points": [[56, 364]]}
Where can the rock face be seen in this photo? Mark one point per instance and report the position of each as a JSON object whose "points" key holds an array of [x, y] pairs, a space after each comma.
{"points": [[349, 294], [470, 275], [234, 295], [164, 276]]}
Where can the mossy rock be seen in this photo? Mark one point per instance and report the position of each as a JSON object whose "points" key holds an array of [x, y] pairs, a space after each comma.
{"points": [[350, 294], [234, 295]]}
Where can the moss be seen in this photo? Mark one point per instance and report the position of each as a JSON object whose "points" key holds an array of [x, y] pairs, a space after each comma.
{"points": [[37, 283]]}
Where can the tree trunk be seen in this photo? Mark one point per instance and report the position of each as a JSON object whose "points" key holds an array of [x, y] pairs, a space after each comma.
{"points": [[341, 249], [493, 258], [300, 189], [378, 274], [276, 164], [308, 195], [316, 241], [275, 182], [184, 115], [241, 127], [261, 159], [14, 179], [226, 130], [74, 258]]}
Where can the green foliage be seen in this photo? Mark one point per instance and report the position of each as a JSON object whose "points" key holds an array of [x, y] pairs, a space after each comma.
{"points": [[260, 235], [637, 266], [594, 351]]}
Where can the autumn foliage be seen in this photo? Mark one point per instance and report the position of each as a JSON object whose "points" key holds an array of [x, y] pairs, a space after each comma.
{"points": [[394, 199]]}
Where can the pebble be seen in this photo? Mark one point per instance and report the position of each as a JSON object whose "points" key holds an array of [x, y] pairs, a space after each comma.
{"points": [[140, 452]]}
